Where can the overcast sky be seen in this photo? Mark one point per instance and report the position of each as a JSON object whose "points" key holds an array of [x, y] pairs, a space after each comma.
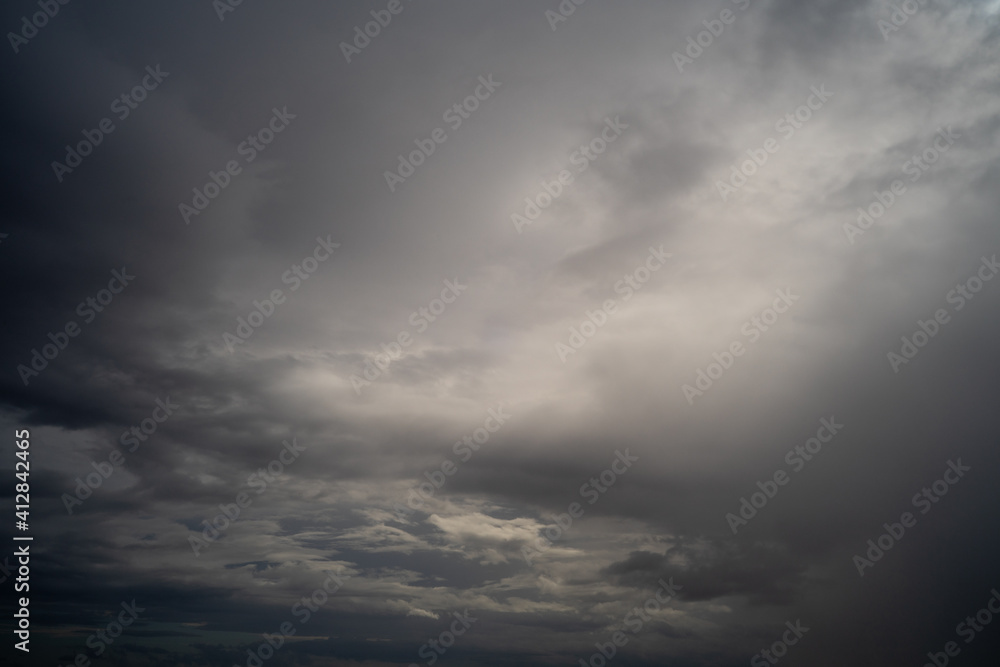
{"points": [[525, 311]]}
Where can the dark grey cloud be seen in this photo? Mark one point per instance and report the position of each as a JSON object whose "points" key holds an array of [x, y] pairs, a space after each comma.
{"points": [[342, 506]]}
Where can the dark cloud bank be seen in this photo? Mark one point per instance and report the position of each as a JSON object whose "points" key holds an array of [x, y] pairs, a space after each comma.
{"points": [[514, 310]]}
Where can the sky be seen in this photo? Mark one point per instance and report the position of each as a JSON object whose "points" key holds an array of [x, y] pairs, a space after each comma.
{"points": [[475, 333]]}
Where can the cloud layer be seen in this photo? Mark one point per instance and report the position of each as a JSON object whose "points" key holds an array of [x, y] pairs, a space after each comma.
{"points": [[698, 234]]}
